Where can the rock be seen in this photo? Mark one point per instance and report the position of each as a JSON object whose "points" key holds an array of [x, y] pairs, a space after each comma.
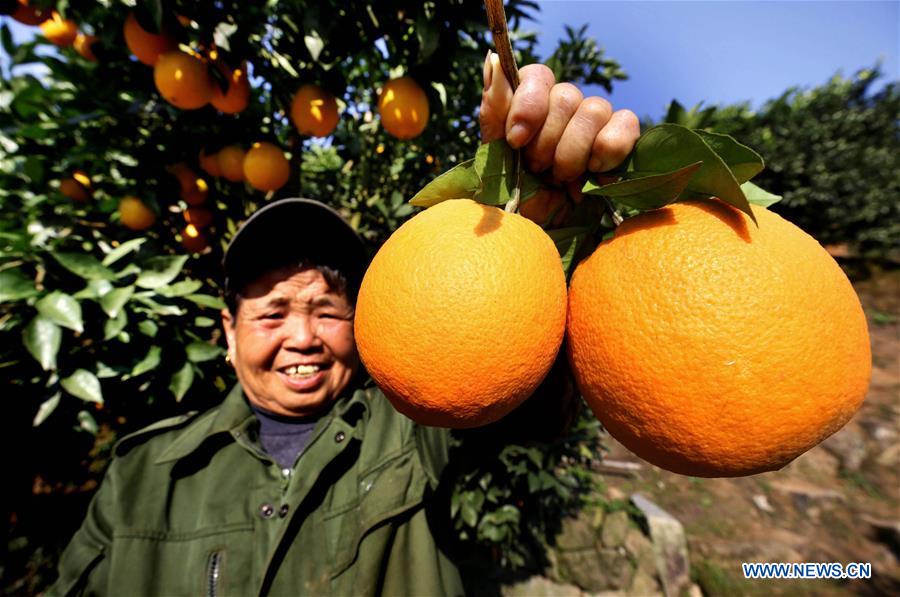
{"points": [[762, 502], [886, 531], [643, 584], [615, 527], [614, 493], [695, 591], [884, 435], [538, 586], [890, 457], [636, 543], [576, 533], [597, 520], [594, 571], [804, 494], [669, 545], [849, 445]]}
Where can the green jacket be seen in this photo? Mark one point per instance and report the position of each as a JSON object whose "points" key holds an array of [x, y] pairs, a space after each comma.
{"points": [[193, 506]]}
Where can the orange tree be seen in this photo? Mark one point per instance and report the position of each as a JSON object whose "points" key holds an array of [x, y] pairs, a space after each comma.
{"points": [[116, 208]]}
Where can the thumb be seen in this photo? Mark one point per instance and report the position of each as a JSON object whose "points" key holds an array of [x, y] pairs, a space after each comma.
{"points": [[496, 99]]}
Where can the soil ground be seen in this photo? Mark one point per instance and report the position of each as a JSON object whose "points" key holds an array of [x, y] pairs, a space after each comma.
{"points": [[839, 502]]}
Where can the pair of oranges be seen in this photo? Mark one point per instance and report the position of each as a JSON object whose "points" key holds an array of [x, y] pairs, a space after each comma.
{"points": [[705, 344]]}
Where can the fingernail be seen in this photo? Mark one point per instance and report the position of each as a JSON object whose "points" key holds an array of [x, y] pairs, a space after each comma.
{"points": [[517, 135], [487, 71]]}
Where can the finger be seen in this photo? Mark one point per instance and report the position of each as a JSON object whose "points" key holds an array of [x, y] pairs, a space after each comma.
{"points": [[564, 101], [530, 104], [614, 141], [574, 149], [495, 100]]}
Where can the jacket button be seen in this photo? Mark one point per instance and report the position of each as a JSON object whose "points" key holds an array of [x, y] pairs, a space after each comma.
{"points": [[266, 511], [282, 512], [339, 436]]}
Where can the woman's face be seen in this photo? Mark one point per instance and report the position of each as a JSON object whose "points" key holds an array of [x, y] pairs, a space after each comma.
{"points": [[291, 341]]}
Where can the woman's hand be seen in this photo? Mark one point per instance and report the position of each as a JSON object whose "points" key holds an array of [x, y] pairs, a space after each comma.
{"points": [[559, 129]]}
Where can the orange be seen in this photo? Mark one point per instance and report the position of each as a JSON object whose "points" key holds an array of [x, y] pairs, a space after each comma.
{"points": [[712, 347], [59, 31], [199, 217], [135, 215], [231, 163], [183, 80], [461, 314], [314, 111], [193, 189], [82, 45], [77, 187], [147, 47], [193, 240], [238, 95], [265, 167], [403, 107], [29, 15], [209, 163]]}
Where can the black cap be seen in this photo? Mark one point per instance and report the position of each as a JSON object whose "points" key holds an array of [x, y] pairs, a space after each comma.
{"points": [[289, 231]]}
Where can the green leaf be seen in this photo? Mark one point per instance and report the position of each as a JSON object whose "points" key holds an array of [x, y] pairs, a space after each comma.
{"points": [[743, 162], [150, 362], [180, 288], [459, 182], [84, 265], [114, 325], [647, 192], [34, 169], [204, 322], [159, 271], [61, 309], [113, 301], [198, 352], [46, 409], [148, 327], [569, 242], [314, 44], [495, 167], [124, 249], [758, 196], [15, 286], [222, 34], [204, 300], [83, 384], [669, 147], [86, 422], [42, 339], [181, 381]]}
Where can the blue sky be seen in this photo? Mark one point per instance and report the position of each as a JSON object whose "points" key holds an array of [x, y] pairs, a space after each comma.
{"points": [[727, 51]]}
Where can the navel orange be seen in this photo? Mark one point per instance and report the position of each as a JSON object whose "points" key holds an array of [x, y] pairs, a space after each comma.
{"points": [[712, 347], [314, 111], [147, 47], [461, 314], [135, 215], [403, 107], [231, 162], [182, 79], [265, 167]]}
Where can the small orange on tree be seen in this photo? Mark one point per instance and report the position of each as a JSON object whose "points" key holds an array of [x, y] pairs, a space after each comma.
{"points": [[199, 217], [82, 45], [76, 187], [183, 80], [314, 111], [236, 98], [31, 15], [61, 32], [147, 47], [231, 162], [265, 167], [209, 163], [193, 240], [403, 107], [135, 215]]}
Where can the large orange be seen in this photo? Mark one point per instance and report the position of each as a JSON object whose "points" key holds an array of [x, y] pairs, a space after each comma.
{"points": [[712, 347], [183, 80], [265, 167], [62, 32], [231, 162], [461, 314], [147, 47], [135, 215], [403, 107], [236, 98], [314, 111]]}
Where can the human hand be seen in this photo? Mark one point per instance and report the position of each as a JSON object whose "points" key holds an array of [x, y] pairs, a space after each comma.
{"points": [[558, 128]]}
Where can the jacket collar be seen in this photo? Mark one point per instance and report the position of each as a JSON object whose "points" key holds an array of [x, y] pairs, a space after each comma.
{"points": [[234, 417]]}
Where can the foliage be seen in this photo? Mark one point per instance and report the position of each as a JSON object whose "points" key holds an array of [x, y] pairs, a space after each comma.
{"points": [[833, 153], [103, 329]]}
